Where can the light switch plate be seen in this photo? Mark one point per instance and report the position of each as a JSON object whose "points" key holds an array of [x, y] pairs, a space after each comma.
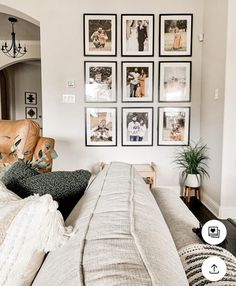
{"points": [[68, 98]]}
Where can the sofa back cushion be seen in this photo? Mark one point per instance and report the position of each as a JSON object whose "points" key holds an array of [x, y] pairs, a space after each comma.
{"points": [[121, 238]]}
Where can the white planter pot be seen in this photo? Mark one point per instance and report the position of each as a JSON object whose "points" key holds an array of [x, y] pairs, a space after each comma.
{"points": [[193, 181]]}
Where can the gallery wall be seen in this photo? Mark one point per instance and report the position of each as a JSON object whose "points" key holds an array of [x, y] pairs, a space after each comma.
{"points": [[63, 60]]}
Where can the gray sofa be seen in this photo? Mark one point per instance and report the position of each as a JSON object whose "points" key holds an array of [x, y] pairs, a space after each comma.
{"points": [[124, 235]]}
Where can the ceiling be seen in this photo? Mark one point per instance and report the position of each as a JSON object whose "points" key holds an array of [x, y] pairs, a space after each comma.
{"points": [[24, 30]]}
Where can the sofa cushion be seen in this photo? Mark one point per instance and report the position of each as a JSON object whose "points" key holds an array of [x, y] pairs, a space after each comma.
{"points": [[121, 238], [193, 256], [178, 217], [66, 187], [28, 229]]}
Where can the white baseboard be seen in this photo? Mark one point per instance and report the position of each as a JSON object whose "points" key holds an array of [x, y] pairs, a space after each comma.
{"points": [[212, 205], [227, 212]]}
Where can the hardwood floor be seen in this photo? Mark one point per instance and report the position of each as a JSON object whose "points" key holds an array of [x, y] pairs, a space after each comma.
{"points": [[203, 215]]}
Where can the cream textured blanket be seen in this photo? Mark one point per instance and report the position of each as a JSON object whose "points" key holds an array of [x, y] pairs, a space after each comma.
{"points": [[28, 229]]}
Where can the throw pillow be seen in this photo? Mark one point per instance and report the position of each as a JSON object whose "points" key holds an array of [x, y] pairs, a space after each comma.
{"points": [[66, 187], [19, 171], [28, 229], [193, 256]]}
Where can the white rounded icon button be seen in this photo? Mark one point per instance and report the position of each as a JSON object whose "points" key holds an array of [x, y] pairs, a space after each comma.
{"points": [[213, 268], [214, 232]]}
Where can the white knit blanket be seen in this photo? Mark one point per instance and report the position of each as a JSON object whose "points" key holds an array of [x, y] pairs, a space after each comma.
{"points": [[27, 226]]}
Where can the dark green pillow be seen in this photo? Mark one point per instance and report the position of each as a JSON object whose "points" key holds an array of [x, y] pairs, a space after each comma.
{"points": [[66, 187], [19, 171]]}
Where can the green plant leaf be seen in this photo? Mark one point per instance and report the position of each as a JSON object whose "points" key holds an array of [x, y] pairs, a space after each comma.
{"points": [[41, 165], [17, 142], [192, 159], [53, 154], [13, 149], [47, 145], [40, 154]]}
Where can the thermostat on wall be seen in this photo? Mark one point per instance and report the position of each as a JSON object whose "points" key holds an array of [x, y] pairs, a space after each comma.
{"points": [[70, 83]]}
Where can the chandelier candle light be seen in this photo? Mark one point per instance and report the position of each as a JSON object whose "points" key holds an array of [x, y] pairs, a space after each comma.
{"points": [[15, 50]]}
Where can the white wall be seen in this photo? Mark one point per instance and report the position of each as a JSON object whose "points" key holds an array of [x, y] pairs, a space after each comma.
{"points": [[24, 77], [62, 59], [212, 110], [228, 192]]}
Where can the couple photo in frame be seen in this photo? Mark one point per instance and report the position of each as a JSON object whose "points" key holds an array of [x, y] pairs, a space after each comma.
{"points": [[100, 34]]}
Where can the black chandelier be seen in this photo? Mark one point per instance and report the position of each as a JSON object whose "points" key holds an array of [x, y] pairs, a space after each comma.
{"points": [[14, 51]]}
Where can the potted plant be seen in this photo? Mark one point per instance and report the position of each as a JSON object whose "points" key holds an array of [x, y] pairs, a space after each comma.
{"points": [[192, 161]]}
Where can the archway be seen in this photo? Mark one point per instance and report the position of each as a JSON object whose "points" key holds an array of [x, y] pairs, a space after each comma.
{"points": [[21, 77]]}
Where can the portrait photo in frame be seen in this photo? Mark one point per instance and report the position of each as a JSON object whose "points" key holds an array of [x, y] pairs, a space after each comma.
{"points": [[175, 35], [101, 126], [100, 81], [137, 35], [173, 126], [137, 126], [30, 98], [100, 34], [175, 81], [137, 81]]}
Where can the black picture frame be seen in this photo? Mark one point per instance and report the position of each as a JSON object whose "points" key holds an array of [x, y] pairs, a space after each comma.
{"points": [[173, 126], [174, 81], [31, 112], [104, 42], [175, 35], [100, 81], [30, 98], [129, 35], [97, 135], [144, 137], [144, 90]]}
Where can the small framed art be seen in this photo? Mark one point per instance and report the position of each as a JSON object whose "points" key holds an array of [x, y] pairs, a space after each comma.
{"points": [[173, 126], [137, 81], [137, 35], [175, 35], [137, 126], [174, 81], [101, 126], [100, 81], [31, 113], [100, 34], [31, 98]]}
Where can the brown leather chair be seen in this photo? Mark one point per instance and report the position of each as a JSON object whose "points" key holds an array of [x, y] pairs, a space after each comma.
{"points": [[19, 137]]}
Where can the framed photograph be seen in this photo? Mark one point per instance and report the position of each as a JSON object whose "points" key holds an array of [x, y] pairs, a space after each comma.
{"points": [[100, 34], [175, 35], [137, 126], [173, 126], [175, 81], [31, 98], [101, 126], [137, 35], [100, 81], [137, 81], [31, 113]]}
